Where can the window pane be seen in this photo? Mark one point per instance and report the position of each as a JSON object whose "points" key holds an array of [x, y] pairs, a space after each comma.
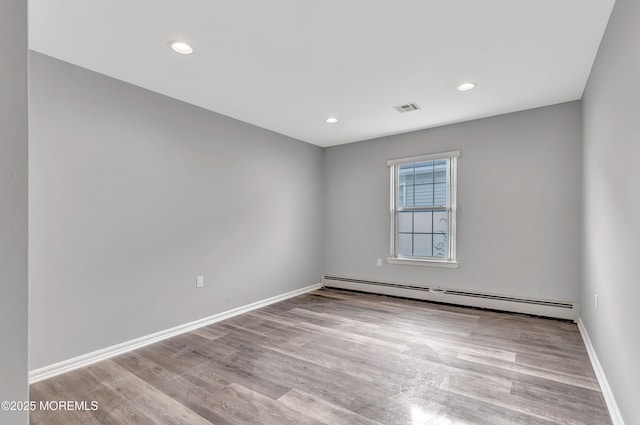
{"points": [[406, 174], [424, 195], [424, 172], [440, 194], [439, 245], [440, 171], [405, 196], [405, 222], [422, 245], [405, 244], [422, 232], [422, 222], [440, 222]]}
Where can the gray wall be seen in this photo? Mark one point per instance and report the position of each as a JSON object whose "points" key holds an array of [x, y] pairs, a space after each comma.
{"points": [[13, 207], [134, 194], [612, 206], [519, 194]]}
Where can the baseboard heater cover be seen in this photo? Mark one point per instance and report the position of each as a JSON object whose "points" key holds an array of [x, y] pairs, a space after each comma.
{"points": [[545, 308]]}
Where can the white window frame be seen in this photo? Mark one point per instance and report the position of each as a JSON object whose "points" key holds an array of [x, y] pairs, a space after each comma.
{"points": [[451, 198]]}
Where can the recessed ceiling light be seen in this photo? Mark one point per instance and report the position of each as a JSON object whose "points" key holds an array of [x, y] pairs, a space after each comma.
{"points": [[181, 47], [332, 120], [466, 86]]}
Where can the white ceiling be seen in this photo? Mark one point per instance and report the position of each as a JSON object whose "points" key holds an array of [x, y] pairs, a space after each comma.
{"points": [[286, 65]]}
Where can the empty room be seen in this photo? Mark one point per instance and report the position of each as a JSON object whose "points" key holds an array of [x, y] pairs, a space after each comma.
{"points": [[299, 212]]}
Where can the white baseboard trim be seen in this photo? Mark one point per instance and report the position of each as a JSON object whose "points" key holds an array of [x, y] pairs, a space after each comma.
{"points": [[616, 417], [105, 353]]}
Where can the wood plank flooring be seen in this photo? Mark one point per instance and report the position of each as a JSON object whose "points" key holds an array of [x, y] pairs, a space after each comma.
{"points": [[337, 357]]}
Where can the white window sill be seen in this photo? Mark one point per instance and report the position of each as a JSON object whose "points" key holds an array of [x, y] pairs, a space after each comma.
{"points": [[428, 263]]}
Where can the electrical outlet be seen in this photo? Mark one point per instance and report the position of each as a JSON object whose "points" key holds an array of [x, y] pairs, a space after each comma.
{"points": [[199, 281], [596, 302], [379, 262]]}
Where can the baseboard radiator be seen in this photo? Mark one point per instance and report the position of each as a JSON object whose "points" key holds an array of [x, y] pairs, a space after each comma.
{"points": [[544, 308]]}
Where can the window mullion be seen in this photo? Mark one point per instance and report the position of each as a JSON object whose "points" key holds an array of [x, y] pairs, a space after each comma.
{"points": [[425, 208]]}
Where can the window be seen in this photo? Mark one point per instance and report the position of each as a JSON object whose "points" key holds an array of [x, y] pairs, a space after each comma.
{"points": [[423, 210]]}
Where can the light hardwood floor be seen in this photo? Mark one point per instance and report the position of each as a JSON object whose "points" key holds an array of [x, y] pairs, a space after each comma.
{"points": [[337, 357]]}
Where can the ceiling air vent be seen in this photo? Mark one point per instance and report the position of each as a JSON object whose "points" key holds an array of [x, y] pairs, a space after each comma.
{"points": [[407, 107]]}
